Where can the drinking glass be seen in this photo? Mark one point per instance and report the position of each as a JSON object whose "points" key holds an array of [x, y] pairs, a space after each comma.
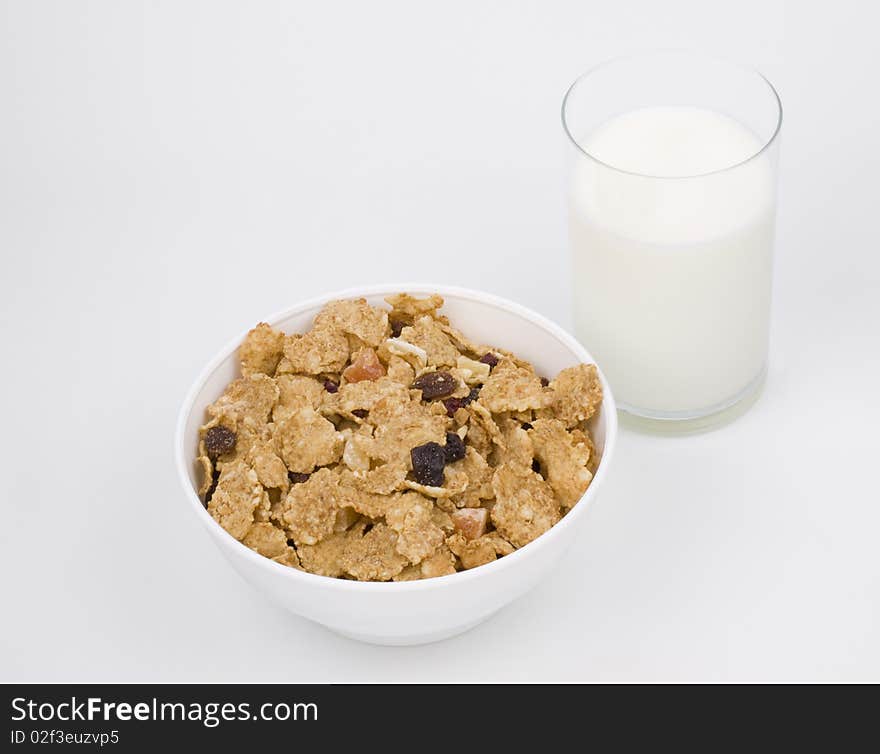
{"points": [[672, 206]]}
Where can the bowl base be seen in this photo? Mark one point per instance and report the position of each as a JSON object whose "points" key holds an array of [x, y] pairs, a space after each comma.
{"points": [[410, 639]]}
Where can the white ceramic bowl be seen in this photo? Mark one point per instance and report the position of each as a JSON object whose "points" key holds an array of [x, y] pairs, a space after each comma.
{"points": [[412, 612]]}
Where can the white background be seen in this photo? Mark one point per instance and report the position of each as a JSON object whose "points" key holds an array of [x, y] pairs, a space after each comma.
{"points": [[171, 172]]}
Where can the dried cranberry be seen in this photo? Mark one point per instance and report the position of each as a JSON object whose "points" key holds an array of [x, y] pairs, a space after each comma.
{"points": [[330, 386], [219, 440], [428, 461], [296, 477], [435, 385], [489, 358], [396, 327], [544, 382], [454, 449], [453, 404], [360, 413]]}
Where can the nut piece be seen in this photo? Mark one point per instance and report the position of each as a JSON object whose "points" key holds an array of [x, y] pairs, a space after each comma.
{"points": [[471, 522]]}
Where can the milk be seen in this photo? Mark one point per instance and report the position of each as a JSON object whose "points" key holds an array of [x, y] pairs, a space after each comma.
{"points": [[672, 273]]}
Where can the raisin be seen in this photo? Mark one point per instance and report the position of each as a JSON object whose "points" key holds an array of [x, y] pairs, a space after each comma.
{"points": [[454, 449], [219, 440], [453, 404], [296, 477], [330, 386], [489, 358], [435, 385], [526, 425], [428, 461], [360, 413], [396, 327], [215, 477], [544, 382]]}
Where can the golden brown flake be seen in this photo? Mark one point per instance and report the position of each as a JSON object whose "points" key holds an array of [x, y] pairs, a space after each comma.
{"points": [[427, 334], [563, 461], [319, 351], [267, 539], [402, 426], [356, 317], [308, 440], [296, 390], [511, 387], [477, 552], [309, 510], [249, 397], [261, 350], [238, 493], [407, 308], [577, 394], [411, 517], [374, 556], [207, 471], [270, 468], [524, 504]]}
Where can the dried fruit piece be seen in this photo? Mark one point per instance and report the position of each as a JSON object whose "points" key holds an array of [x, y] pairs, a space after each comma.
{"points": [[396, 326], [219, 440], [454, 448], [296, 477], [489, 358], [330, 386], [453, 404], [471, 522], [364, 366], [435, 385], [360, 413], [428, 462]]}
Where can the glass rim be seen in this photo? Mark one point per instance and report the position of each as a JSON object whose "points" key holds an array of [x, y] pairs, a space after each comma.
{"points": [[670, 53]]}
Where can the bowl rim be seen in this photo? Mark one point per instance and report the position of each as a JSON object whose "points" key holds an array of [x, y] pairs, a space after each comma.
{"points": [[547, 539]]}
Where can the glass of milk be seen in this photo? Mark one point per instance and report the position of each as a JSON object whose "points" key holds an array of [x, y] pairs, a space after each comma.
{"points": [[672, 203]]}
